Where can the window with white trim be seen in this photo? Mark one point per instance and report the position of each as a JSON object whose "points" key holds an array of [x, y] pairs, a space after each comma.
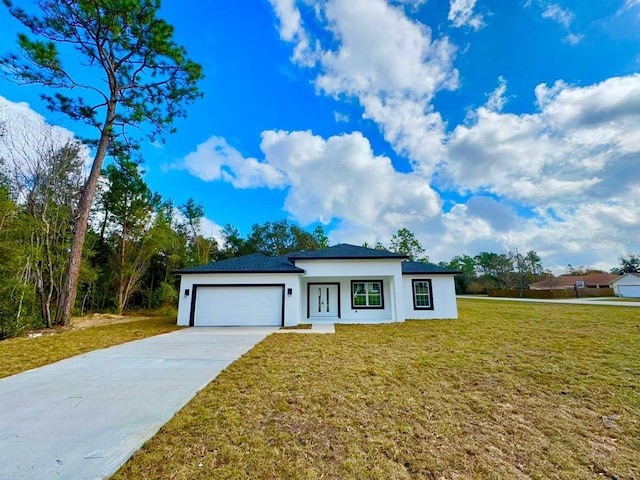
{"points": [[422, 294], [366, 294]]}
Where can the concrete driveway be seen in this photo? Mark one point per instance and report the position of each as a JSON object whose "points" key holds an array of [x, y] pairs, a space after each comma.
{"points": [[83, 417]]}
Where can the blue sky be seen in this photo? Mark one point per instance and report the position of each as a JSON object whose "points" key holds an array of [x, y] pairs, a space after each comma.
{"points": [[478, 125]]}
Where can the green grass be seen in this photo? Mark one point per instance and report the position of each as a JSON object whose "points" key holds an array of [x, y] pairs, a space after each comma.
{"points": [[510, 390], [626, 299], [24, 353]]}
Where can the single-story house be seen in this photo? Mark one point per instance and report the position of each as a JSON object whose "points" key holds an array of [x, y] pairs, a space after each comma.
{"points": [[566, 282], [344, 283], [628, 285]]}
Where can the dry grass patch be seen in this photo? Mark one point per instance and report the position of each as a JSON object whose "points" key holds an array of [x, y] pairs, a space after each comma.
{"points": [[509, 391], [24, 353]]}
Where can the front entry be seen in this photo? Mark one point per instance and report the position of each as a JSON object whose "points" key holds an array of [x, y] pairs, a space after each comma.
{"points": [[323, 300]]}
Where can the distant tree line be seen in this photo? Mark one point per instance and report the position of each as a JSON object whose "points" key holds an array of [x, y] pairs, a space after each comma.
{"points": [[489, 270]]}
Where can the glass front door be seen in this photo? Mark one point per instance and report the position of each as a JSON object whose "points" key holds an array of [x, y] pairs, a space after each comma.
{"points": [[323, 300]]}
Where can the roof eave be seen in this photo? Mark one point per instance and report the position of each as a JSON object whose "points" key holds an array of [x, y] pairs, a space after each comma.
{"points": [[193, 272], [453, 272], [399, 257]]}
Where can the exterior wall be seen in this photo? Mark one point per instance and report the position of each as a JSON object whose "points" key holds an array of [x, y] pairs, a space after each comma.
{"points": [[626, 279], [291, 303], [343, 271], [348, 314], [444, 297]]}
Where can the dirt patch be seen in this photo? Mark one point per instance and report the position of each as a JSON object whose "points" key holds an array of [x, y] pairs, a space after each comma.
{"points": [[99, 319], [79, 323]]}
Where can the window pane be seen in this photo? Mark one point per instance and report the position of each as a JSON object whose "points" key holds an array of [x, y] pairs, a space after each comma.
{"points": [[422, 301], [374, 300], [359, 301], [421, 294]]}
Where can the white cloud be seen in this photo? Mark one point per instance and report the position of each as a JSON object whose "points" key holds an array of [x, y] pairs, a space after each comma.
{"points": [[215, 159], [572, 163], [461, 14], [27, 136], [211, 229], [340, 117], [582, 146], [558, 14], [292, 30], [497, 99], [411, 3], [341, 178], [392, 65]]}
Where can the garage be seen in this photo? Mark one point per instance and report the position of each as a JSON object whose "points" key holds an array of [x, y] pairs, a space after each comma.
{"points": [[238, 305], [627, 286], [629, 291]]}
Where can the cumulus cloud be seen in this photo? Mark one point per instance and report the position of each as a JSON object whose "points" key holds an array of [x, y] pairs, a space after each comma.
{"points": [[291, 30], [565, 153], [340, 177], [461, 14], [215, 159], [572, 162], [392, 65]]}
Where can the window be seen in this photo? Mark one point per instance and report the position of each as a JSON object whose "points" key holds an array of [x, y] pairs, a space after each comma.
{"points": [[366, 294], [422, 295]]}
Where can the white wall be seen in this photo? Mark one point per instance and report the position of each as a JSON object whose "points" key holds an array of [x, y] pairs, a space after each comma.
{"points": [[343, 271], [347, 314], [444, 297], [291, 304], [627, 279]]}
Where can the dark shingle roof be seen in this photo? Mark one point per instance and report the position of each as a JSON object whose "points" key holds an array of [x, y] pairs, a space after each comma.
{"points": [[254, 263], [409, 268], [344, 251]]}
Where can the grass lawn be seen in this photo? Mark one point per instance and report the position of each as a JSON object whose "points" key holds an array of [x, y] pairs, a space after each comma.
{"points": [[508, 391], [24, 353]]}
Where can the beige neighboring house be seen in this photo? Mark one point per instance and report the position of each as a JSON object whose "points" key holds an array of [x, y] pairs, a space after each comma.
{"points": [[628, 285], [565, 282]]}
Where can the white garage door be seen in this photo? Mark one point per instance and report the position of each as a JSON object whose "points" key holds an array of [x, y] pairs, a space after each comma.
{"points": [[238, 305], [629, 290]]}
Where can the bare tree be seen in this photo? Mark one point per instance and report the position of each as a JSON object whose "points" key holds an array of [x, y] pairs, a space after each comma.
{"points": [[45, 172]]}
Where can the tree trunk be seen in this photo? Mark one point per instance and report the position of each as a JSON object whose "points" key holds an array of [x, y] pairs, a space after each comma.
{"points": [[70, 286]]}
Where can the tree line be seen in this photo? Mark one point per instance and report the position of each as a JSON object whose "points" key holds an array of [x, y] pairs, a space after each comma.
{"points": [[135, 238]]}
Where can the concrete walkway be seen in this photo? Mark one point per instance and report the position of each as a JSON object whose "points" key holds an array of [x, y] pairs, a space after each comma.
{"points": [[83, 417], [574, 301]]}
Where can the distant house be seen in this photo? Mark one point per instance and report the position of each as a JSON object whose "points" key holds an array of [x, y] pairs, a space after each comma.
{"points": [[628, 285], [340, 284], [565, 282]]}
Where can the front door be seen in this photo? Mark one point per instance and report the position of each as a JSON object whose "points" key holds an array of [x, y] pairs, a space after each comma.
{"points": [[323, 300]]}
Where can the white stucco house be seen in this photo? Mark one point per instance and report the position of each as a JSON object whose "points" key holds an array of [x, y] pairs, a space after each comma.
{"points": [[340, 284], [628, 285]]}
